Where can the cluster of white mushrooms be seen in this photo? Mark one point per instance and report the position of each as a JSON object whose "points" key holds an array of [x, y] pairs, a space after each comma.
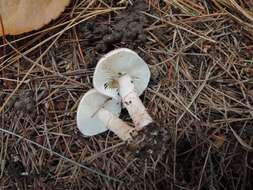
{"points": [[120, 77]]}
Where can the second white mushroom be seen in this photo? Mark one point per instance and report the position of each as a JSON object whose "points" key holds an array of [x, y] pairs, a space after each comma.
{"points": [[97, 113]]}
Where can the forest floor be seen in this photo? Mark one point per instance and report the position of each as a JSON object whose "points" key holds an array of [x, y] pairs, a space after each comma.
{"points": [[200, 54]]}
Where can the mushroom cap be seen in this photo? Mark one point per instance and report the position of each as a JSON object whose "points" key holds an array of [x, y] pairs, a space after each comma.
{"points": [[20, 16], [116, 63], [87, 121]]}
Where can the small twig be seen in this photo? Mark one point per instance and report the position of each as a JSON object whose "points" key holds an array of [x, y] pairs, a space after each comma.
{"points": [[203, 169]]}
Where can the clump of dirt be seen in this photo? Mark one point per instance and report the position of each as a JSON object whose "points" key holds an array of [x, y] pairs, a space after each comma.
{"points": [[16, 170], [150, 142], [23, 102], [127, 29]]}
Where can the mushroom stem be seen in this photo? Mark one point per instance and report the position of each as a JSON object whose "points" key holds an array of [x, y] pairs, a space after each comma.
{"points": [[132, 102], [116, 125]]}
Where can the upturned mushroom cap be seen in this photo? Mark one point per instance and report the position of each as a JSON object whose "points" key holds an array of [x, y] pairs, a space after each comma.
{"points": [[20, 16], [87, 121], [117, 63]]}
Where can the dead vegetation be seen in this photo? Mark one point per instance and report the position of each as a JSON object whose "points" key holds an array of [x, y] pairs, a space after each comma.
{"points": [[201, 93]]}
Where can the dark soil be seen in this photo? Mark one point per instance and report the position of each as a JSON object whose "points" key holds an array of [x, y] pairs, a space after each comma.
{"points": [[200, 95], [150, 142], [16, 170], [125, 30]]}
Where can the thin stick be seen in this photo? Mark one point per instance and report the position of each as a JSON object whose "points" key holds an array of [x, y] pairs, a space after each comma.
{"points": [[203, 169]]}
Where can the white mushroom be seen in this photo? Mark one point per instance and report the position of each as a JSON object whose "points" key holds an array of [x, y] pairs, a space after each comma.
{"points": [[122, 74], [117, 63], [97, 113]]}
